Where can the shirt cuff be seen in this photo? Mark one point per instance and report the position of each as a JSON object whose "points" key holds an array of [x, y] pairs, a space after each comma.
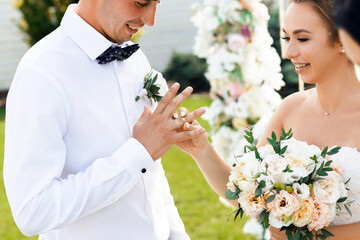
{"points": [[134, 156]]}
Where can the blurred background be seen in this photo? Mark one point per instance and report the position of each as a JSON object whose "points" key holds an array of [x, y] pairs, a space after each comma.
{"points": [[168, 46]]}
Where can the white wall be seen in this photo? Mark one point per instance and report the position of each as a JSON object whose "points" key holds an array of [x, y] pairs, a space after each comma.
{"points": [[12, 47], [173, 31]]}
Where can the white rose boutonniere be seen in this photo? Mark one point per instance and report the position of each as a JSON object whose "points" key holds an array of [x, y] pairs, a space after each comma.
{"points": [[155, 86]]}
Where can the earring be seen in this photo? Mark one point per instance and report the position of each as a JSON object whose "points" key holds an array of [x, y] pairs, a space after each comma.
{"points": [[343, 50]]}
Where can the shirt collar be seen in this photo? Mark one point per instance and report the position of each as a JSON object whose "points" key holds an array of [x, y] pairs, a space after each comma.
{"points": [[84, 35]]}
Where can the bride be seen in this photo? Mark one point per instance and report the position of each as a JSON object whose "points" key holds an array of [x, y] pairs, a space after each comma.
{"points": [[327, 115]]}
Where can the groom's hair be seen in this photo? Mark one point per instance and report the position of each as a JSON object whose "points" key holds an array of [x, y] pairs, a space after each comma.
{"points": [[325, 9], [347, 17]]}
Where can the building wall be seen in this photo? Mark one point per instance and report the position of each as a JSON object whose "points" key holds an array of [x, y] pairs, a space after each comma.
{"points": [[173, 31], [12, 47]]}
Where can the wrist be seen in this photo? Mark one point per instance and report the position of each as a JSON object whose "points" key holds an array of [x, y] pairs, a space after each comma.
{"points": [[203, 152]]}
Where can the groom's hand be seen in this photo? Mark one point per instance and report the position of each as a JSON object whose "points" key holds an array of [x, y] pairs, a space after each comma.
{"points": [[157, 131]]}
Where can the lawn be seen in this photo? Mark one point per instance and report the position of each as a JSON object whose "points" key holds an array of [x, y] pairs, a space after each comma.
{"points": [[203, 215]]}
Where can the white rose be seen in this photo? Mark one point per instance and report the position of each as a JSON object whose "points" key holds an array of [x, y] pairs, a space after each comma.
{"points": [[160, 82], [329, 189], [301, 190], [276, 164], [303, 216], [278, 222], [251, 167], [269, 182]]}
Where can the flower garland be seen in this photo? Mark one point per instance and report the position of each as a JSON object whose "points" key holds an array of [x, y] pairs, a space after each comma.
{"points": [[243, 69]]}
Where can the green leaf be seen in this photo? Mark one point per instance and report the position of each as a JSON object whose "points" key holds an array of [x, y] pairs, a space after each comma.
{"points": [[289, 234], [283, 150], [257, 154], [231, 195], [318, 179], [322, 173], [334, 151], [347, 181], [341, 200], [248, 139], [263, 215], [272, 143], [273, 136], [324, 152], [262, 184], [328, 163], [258, 191], [270, 199], [327, 233], [327, 169], [348, 210], [297, 236]]}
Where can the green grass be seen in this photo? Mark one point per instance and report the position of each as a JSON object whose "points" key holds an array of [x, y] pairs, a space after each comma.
{"points": [[203, 215]]}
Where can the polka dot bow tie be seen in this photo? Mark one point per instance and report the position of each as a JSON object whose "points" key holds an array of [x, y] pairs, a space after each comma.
{"points": [[117, 53]]}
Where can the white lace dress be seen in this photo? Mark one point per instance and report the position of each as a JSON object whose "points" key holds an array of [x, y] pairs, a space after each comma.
{"points": [[349, 159]]}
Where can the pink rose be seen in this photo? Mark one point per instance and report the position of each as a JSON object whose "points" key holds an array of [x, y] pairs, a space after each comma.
{"points": [[283, 204], [321, 215]]}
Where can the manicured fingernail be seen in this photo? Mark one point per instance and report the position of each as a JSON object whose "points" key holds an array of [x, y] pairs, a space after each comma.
{"points": [[188, 89], [203, 130], [175, 115], [175, 85], [182, 114], [187, 125]]}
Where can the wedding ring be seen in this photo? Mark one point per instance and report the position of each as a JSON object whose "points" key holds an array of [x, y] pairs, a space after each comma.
{"points": [[174, 116]]}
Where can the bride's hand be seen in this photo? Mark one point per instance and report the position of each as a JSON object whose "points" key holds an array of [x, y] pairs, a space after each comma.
{"points": [[276, 234], [195, 145]]}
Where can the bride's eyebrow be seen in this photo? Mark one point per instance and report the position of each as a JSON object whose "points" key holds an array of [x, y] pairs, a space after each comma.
{"points": [[298, 31]]}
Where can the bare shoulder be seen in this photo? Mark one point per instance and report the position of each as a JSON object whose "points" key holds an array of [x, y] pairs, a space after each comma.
{"points": [[295, 102]]}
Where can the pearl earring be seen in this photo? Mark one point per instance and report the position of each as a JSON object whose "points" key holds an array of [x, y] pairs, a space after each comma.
{"points": [[343, 50]]}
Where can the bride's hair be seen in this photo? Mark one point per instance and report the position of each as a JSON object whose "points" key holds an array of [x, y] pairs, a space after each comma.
{"points": [[346, 16], [325, 9]]}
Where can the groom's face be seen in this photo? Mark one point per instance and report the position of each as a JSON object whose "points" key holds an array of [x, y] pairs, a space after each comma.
{"points": [[119, 20]]}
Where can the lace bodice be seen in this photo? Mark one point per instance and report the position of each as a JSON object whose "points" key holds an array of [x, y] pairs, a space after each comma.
{"points": [[349, 160]]}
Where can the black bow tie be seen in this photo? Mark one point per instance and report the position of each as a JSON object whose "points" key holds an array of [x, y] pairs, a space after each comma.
{"points": [[117, 53]]}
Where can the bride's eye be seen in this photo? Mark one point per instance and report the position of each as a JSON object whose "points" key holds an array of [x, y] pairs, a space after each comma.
{"points": [[303, 39], [286, 39]]}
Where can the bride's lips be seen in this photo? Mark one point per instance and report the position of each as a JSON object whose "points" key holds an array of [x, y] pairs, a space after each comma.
{"points": [[301, 67]]}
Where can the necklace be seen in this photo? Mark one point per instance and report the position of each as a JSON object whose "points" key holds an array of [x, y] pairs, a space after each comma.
{"points": [[326, 113]]}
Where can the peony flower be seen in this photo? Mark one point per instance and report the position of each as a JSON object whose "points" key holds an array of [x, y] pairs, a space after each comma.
{"points": [[321, 215], [251, 205], [301, 190], [284, 204], [276, 164], [303, 215], [330, 189], [269, 182]]}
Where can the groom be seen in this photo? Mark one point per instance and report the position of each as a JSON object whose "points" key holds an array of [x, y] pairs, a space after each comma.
{"points": [[80, 153]]}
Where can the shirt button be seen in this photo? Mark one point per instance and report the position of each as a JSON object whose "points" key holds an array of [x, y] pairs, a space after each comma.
{"points": [[143, 170], [112, 199]]}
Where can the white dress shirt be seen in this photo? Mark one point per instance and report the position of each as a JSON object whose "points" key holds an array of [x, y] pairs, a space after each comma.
{"points": [[71, 168]]}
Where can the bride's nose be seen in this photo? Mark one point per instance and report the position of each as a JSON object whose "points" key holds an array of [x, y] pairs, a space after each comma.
{"points": [[291, 50]]}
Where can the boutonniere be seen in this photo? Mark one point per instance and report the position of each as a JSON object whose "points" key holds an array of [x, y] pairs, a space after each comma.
{"points": [[154, 88]]}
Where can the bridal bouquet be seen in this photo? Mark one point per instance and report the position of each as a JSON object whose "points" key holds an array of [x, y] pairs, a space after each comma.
{"points": [[288, 184]]}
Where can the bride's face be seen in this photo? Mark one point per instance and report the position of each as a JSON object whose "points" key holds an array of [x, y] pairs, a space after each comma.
{"points": [[307, 43]]}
